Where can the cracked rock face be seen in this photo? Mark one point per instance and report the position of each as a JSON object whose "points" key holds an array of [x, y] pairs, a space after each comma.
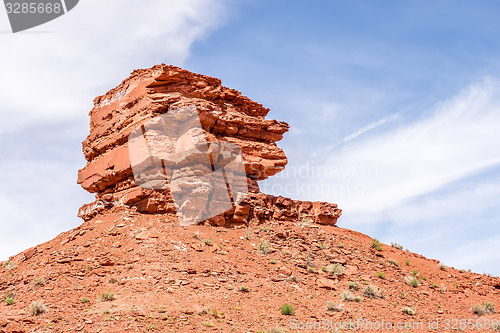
{"points": [[225, 115]]}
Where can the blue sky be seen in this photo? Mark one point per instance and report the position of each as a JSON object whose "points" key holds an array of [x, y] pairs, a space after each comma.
{"points": [[393, 106]]}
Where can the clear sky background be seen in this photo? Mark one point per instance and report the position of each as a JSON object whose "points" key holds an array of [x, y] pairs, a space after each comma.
{"points": [[394, 108]]}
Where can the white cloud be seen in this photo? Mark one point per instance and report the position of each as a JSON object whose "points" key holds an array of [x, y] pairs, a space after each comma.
{"points": [[457, 138], [49, 78], [371, 126], [55, 70]]}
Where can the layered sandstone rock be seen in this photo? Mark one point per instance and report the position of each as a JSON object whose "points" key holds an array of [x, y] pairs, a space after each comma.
{"points": [[225, 116]]}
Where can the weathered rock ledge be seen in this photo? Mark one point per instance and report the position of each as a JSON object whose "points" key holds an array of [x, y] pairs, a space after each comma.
{"points": [[225, 116]]}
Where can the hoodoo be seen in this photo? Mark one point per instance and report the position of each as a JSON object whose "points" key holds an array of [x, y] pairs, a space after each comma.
{"points": [[225, 115]]}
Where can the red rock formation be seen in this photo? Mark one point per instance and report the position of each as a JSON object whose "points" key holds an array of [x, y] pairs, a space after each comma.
{"points": [[225, 115]]}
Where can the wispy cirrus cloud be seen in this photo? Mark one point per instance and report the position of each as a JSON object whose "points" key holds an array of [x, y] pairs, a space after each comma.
{"points": [[371, 126]]}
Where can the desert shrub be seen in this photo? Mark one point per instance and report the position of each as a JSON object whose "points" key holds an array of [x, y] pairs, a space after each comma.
{"points": [[245, 289], [248, 233], [407, 262], [107, 296], [372, 292], [381, 275], [264, 247], [442, 289], [347, 296], [334, 307], [335, 269], [415, 273], [489, 307], [10, 294], [411, 281], [37, 309], [209, 241], [353, 285], [408, 311], [358, 299], [9, 300], [287, 310], [84, 300], [397, 246], [9, 265], [274, 330], [39, 282], [376, 245], [273, 262], [478, 310], [481, 310], [394, 262]]}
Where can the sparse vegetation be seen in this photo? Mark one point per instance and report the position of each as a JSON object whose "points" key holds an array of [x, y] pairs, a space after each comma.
{"points": [[209, 241], [248, 233], [394, 262], [442, 289], [381, 275], [411, 281], [409, 311], [274, 330], [371, 292], [39, 282], [264, 246], [478, 310], [9, 265], [489, 307], [9, 300], [107, 296], [334, 307], [245, 289], [397, 246], [407, 262], [415, 273], [353, 285], [376, 245], [481, 310], [84, 300], [347, 296], [335, 269], [273, 262], [358, 299], [37, 309], [287, 310]]}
